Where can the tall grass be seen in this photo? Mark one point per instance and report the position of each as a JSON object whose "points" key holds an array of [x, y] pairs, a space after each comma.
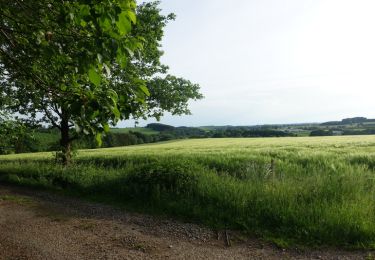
{"points": [[310, 191]]}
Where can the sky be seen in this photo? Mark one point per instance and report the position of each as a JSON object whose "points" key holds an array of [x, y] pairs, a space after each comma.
{"points": [[272, 61]]}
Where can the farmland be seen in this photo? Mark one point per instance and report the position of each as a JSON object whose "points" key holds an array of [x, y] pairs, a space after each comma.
{"points": [[301, 190]]}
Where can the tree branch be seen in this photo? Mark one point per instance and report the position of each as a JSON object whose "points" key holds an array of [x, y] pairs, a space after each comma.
{"points": [[6, 36], [50, 117]]}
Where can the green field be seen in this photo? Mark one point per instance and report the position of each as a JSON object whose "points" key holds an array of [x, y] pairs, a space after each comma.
{"points": [[301, 190]]}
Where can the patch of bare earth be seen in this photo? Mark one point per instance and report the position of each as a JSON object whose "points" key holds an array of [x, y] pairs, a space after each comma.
{"points": [[40, 225]]}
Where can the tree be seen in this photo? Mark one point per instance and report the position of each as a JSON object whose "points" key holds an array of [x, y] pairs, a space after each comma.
{"points": [[15, 136], [84, 65]]}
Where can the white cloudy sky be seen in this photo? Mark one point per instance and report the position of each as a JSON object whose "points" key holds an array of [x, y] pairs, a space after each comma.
{"points": [[273, 61]]}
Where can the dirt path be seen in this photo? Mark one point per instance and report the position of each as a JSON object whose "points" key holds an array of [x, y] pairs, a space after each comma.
{"points": [[39, 225]]}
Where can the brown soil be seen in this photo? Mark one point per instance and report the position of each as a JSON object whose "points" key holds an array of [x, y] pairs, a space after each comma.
{"points": [[40, 225]]}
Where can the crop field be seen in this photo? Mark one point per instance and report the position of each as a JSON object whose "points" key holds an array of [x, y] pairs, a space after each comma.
{"points": [[292, 191]]}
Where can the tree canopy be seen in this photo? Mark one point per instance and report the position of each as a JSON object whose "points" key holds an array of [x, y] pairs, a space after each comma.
{"points": [[86, 64]]}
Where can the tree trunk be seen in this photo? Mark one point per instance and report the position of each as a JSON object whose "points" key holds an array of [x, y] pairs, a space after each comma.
{"points": [[66, 143]]}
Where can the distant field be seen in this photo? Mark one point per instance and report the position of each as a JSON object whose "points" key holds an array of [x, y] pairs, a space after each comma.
{"points": [[300, 190], [329, 145]]}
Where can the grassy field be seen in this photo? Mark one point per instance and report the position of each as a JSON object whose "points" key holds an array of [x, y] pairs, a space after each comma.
{"points": [[305, 190]]}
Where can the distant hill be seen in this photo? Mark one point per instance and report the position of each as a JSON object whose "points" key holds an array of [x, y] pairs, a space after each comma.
{"points": [[349, 121]]}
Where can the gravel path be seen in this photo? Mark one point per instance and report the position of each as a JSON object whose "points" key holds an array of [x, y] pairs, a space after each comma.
{"points": [[40, 225]]}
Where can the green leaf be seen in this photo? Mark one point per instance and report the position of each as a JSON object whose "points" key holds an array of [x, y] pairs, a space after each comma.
{"points": [[105, 23], [84, 10], [132, 17], [121, 59], [106, 127], [145, 90], [123, 24], [98, 138], [116, 112], [112, 95], [95, 114], [94, 77], [83, 23]]}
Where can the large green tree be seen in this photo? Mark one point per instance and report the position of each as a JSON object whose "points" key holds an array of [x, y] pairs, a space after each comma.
{"points": [[86, 64]]}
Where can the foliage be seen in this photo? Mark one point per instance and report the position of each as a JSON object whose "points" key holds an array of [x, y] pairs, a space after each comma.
{"points": [[55, 62], [321, 132], [160, 127], [359, 132], [15, 136], [311, 191]]}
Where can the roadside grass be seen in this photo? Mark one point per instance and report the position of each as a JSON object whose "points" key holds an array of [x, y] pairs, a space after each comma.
{"points": [[292, 191], [16, 199]]}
